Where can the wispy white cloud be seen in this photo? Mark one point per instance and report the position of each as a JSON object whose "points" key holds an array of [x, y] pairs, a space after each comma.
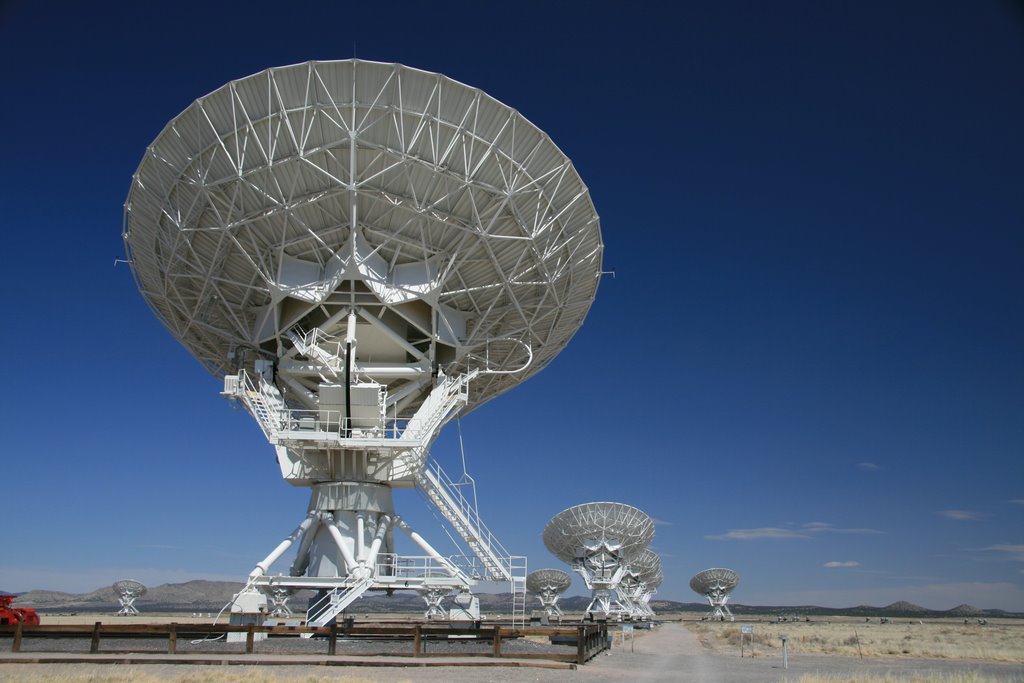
{"points": [[869, 466], [824, 527], [1016, 501], [1015, 552], [962, 515], [751, 534], [661, 522], [808, 530], [848, 563]]}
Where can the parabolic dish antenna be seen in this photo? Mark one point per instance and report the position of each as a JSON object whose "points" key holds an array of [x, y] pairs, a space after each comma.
{"points": [[127, 590], [548, 585], [363, 251], [598, 540], [716, 584], [640, 583]]}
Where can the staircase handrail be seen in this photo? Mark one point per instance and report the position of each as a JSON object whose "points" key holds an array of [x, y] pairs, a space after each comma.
{"points": [[324, 609], [495, 558]]}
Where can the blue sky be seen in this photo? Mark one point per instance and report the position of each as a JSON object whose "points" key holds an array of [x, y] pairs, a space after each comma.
{"points": [[807, 367]]}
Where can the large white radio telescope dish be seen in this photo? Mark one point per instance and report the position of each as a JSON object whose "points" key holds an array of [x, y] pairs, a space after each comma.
{"points": [[459, 231], [598, 540], [620, 527], [363, 251]]}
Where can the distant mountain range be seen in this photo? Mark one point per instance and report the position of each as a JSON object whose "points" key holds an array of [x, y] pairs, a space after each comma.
{"points": [[211, 596]]}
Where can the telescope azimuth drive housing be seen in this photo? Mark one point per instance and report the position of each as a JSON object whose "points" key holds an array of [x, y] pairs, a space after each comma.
{"points": [[128, 590], [598, 540], [548, 585], [363, 251], [716, 584]]}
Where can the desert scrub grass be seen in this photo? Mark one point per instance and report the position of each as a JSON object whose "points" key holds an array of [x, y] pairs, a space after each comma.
{"points": [[932, 677], [213, 675], [993, 642]]}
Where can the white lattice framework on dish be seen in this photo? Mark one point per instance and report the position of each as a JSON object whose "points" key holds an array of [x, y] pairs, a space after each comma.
{"points": [[363, 251], [548, 585], [598, 540], [716, 584], [128, 591]]}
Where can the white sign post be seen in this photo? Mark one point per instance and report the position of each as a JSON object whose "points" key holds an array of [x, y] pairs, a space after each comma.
{"points": [[746, 632], [627, 629]]}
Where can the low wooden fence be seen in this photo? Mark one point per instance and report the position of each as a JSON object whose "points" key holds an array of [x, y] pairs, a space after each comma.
{"points": [[590, 638]]}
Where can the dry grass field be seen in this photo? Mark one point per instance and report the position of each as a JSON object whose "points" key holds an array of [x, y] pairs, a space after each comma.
{"points": [[209, 675], [896, 678], [952, 639]]}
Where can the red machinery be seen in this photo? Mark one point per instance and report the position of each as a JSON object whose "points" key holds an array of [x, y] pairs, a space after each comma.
{"points": [[13, 615]]}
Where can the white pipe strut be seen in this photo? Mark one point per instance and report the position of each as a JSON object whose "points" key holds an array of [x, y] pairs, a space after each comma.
{"points": [[346, 554], [301, 562], [262, 567], [350, 330], [360, 546], [378, 539], [428, 549]]}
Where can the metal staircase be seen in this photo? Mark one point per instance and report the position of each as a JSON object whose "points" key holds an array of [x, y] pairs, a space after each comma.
{"points": [[497, 563], [263, 401], [335, 601], [309, 345], [445, 399]]}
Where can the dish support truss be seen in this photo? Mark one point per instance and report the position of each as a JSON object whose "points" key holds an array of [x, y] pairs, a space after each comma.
{"points": [[719, 608], [603, 569], [342, 542], [127, 601], [635, 596], [549, 602]]}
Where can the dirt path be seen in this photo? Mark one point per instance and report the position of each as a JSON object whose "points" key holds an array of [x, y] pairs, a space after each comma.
{"points": [[670, 652]]}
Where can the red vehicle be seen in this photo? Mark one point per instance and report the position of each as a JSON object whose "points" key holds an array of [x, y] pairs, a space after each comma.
{"points": [[14, 615]]}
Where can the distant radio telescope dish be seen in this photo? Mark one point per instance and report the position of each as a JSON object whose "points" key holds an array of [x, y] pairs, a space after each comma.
{"points": [[641, 582], [716, 584], [127, 590], [548, 585], [598, 540], [362, 251]]}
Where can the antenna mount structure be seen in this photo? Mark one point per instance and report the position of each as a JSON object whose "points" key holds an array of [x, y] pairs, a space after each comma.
{"points": [[716, 584], [362, 252], [598, 540], [128, 590]]}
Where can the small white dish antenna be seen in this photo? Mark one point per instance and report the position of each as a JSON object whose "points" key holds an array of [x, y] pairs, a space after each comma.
{"points": [[548, 585], [127, 591], [716, 584]]}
